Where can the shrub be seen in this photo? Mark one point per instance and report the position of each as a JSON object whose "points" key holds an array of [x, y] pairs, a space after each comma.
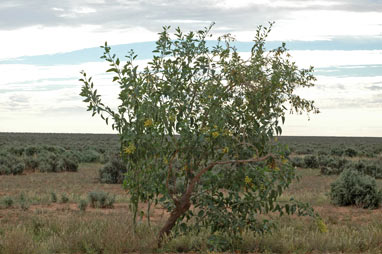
{"points": [[326, 170], [322, 152], [18, 169], [64, 198], [298, 162], [336, 152], [311, 161], [31, 150], [5, 170], [48, 162], [333, 166], [355, 188], [101, 199], [68, 162], [351, 152], [8, 202], [10, 164], [113, 171], [324, 160], [89, 156], [24, 205], [17, 151], [82, 205], [31, 163], [53, 197], [372, 168], [341, 163], [303, 151]]}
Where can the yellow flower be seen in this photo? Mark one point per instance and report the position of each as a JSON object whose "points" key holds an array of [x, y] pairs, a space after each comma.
{"points": [[277, 168], [165, 161], [215, 134], [225, 150], [247, 180], [148, 123], [284, 161], [130, 149], [322, 226]]}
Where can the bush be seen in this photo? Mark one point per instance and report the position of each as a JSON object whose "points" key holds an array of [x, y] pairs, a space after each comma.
{"points": [[355, 188], [31, 163], [325, 170], [68, 162], [101, 199], [336, 152], [89, 156], [64, 198], [351, 152], [82, 205], [10, 164], [31, 150], [17, 151], [8, 202], [113, 171], [332, 166], [53, 197], [18, 169], [324, 160], [311, 161], [303, 151], [5, 170], [51, 162], [372, 168], [48, 162], [298, 162], [322, 152]]}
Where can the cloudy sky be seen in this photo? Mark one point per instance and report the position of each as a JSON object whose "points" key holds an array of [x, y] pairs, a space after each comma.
{"points": [[45, 44]]}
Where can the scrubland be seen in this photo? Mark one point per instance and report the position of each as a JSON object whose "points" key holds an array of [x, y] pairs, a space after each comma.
{"points": [[74, 211]]}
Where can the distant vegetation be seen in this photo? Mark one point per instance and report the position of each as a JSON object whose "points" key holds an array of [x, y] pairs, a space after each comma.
{"points": [[20, 152]]}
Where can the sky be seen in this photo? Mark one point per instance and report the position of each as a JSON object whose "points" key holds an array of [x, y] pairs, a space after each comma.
{"points": [[45, 44]]}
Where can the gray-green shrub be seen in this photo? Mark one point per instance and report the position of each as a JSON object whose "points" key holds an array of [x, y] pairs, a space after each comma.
{"points": [[67, 162], [113, 171], [101, 199], [355, 188], [82, 205], [8, 202], [311, 161], [351, 152], [64, 198]]}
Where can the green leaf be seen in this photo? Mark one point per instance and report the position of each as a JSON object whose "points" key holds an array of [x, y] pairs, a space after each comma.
{"points": [[112, 70]]}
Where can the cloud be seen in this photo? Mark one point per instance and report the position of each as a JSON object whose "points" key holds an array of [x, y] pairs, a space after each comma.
{"points": [[152, 14], [148, 14], [374, 88], [17, 102], [39, 26]]}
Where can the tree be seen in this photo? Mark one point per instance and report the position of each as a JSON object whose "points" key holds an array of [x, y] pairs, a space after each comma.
{"points": [[196, 127]]}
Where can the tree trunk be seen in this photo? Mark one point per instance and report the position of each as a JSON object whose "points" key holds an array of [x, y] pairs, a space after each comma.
{"points": [[181, 208]]}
